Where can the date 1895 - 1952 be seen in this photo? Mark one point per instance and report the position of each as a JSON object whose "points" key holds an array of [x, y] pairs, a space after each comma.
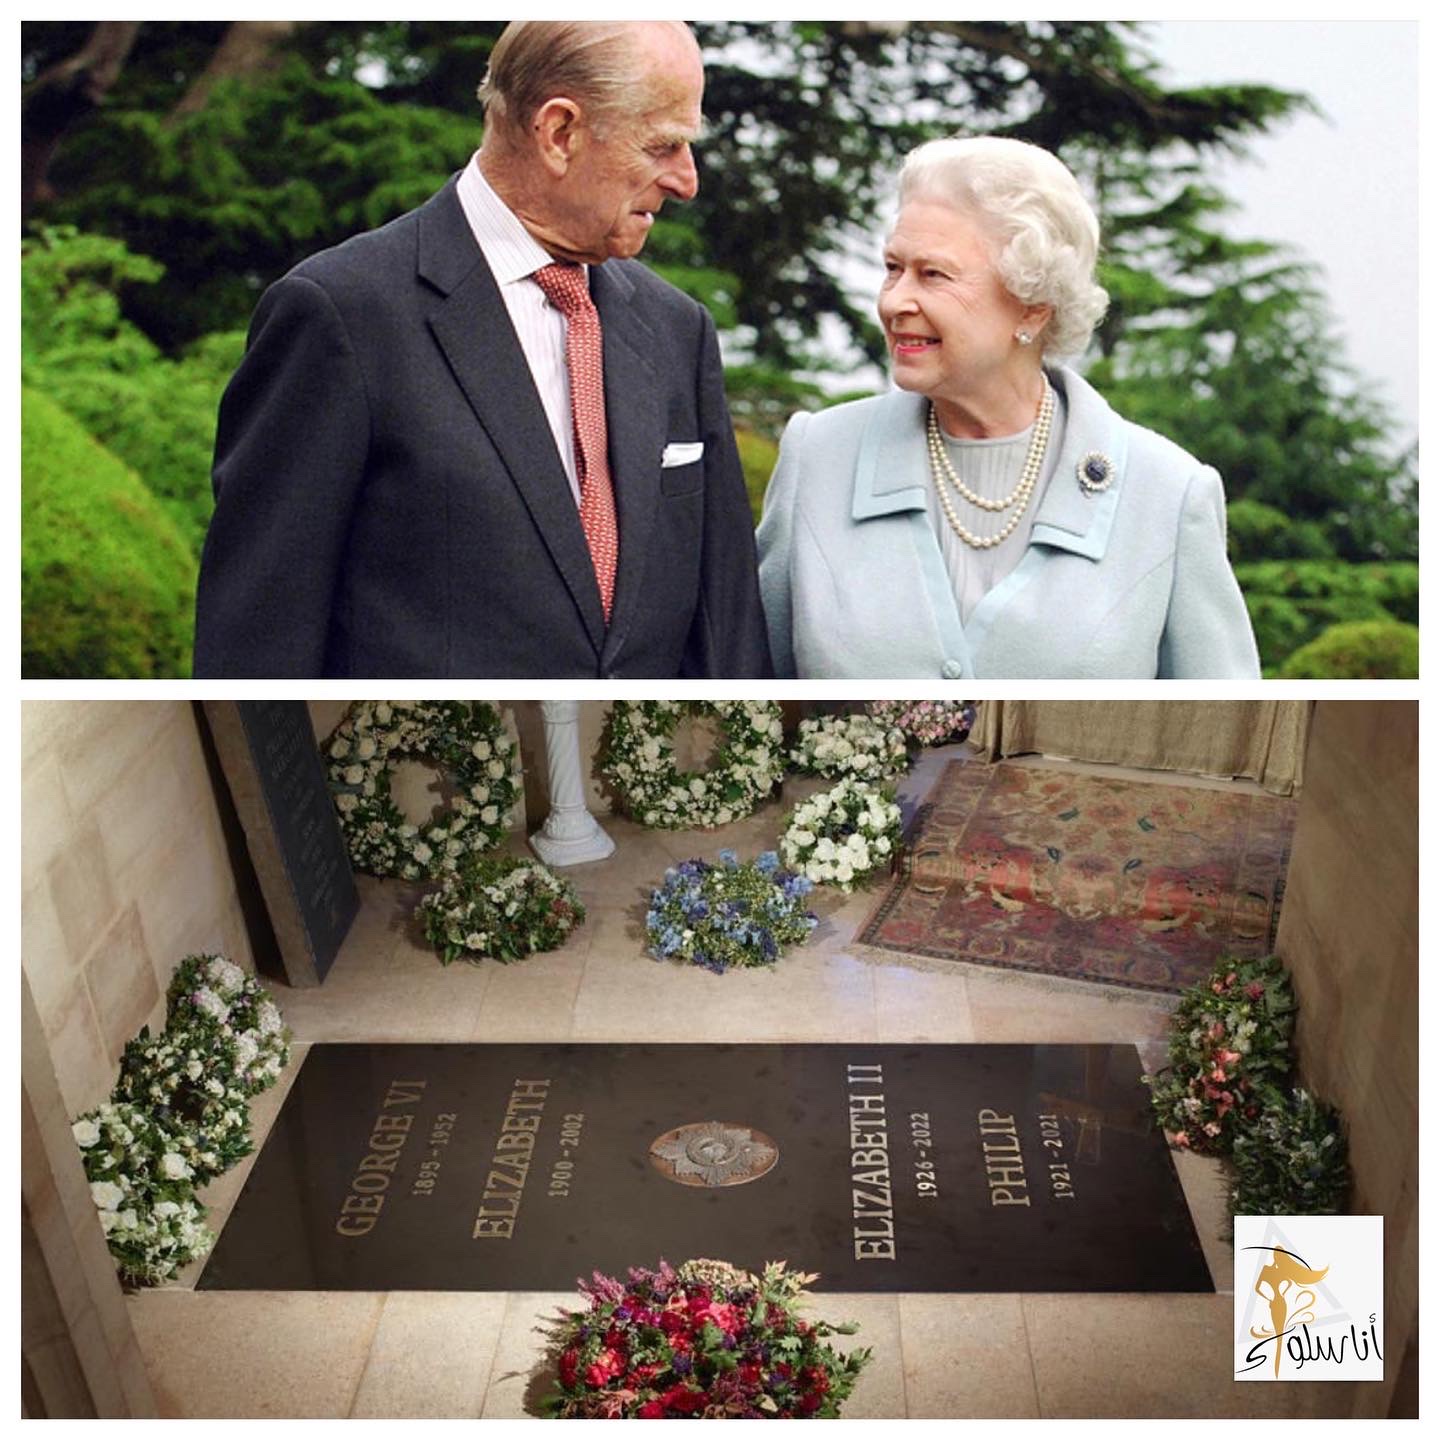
{"points": [[440, 1130]]}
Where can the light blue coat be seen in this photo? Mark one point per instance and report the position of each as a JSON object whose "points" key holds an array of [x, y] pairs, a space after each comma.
{"points": [[1131, 583]]}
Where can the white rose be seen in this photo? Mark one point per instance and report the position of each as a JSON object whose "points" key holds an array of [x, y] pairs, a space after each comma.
{"points": [[164, 1209], [697, 787], [480, 793], [495, 769], [86, 1133], [481, 749], [354, 774], [825, 849], [339, 749], [106, 1195], [346, 803], [366, 748], [423, 853], [383, 714], [489, 815], [882, 845]]}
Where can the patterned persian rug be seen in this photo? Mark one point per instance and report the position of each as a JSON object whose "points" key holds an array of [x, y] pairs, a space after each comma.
{"points": [[1118, 881]]}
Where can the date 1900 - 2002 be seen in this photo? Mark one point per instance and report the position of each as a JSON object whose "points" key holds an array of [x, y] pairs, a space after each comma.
{"points": [[430, 1167], [927, 1184], [1061, 1186], [564, 1168]]}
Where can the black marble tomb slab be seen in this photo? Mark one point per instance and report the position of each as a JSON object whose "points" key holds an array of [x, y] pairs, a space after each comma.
{"points": [[377, 1171]]}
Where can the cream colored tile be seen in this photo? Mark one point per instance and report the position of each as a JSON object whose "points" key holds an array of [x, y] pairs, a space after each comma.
{"points": [[100, 742], [1152, 1356], [521, 1372], [532, 999], [217, 1354], [46, 820], [122, 983], [85, 1071], [922, 1005], [966, 1356], [1038, 1009], [431, 1357], [79, 880], [44, 951], [879, 1393]]}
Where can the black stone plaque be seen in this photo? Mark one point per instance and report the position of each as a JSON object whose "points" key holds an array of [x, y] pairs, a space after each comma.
{"points": [[883, 1167], [277, 779]]}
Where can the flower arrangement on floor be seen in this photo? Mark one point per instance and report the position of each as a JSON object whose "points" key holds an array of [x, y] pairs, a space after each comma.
{"points": [[179, 1115], [143, 1193], [638, 760], [849, 747], [926, 722], [190, 1089], [464, 739], [500, 906], [730, 915], [1292, 1161], [1229, 1052], [1227, 1092], [843, 836], [211, 996], [706, 1341]]}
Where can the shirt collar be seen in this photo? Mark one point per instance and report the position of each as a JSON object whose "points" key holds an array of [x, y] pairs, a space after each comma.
{"points": [[510, 250]]}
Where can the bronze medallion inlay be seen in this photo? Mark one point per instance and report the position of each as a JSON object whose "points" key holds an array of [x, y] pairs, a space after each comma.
{"points": [[713, 1153]]}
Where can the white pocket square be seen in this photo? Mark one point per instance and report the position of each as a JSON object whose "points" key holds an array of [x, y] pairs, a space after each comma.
{"points": [[685, 454]]}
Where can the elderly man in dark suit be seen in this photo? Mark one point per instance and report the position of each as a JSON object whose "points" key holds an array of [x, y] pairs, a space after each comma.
{"points": [[482, 441]]}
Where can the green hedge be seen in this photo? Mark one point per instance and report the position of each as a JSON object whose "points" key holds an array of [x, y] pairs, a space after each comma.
{"points": [[1365, 650], [1293, 602], [107, 581]]}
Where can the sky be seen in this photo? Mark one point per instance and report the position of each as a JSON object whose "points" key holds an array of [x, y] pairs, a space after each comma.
{"points": [[1342, 189]]}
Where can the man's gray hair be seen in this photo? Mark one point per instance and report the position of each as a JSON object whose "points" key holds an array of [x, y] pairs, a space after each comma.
{"points": [[1044, 234], [590, 61]]}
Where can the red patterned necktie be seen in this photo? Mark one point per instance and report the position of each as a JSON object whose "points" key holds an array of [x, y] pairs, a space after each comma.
{"points": [[566, 289]]}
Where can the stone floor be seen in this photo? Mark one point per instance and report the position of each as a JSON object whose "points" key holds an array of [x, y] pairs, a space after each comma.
{"points": [[416, 1354]]}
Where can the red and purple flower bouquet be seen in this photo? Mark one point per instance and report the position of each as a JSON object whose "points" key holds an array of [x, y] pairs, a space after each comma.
{"points": [[705, 1341]]}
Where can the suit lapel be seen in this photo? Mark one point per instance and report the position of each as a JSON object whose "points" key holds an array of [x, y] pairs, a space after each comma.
{"points": [[472, 327], [636, 429]]}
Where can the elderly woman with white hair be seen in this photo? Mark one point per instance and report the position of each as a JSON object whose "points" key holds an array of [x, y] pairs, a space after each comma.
{"points": [[992, 517]]}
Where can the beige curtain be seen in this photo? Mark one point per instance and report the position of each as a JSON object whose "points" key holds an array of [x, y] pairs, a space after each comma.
{"points": [[1262, 740]]}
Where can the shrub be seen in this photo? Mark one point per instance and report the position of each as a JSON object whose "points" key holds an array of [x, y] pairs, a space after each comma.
{"points": [[757, 460], [1292, 602], [1293, 1161], [107, 582], [1362, 650]]}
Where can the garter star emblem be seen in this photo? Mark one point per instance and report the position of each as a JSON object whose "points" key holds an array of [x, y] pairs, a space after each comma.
{"points": [[713, 1153], [1095, 472]]}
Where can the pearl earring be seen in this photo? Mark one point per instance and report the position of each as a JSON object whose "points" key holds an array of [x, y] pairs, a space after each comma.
{"points": [[1024, 337]]}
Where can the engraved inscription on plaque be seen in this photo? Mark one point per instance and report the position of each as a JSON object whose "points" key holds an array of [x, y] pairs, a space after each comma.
{"points": [[713, 1154], [883, 1168]]}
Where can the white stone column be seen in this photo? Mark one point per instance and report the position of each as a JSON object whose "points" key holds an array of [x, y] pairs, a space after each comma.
{"points": [[571, 835]]}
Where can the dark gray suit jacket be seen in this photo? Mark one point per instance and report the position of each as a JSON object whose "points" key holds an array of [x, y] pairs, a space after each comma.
{"points": [[389, 501]]}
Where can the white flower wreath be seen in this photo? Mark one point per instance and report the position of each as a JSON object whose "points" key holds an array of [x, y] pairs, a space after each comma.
{"points": [[465, 739], [850, 746], [639, 761], [843, 835]]}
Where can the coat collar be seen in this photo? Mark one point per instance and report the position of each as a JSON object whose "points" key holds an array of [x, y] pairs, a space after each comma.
{"points": [[892, 472]]}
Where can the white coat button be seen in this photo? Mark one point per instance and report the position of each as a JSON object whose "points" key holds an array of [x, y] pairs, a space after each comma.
{"points": [[953, 670]]}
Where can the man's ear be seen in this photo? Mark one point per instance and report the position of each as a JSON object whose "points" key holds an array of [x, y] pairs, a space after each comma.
{"points": [[558, 131]]}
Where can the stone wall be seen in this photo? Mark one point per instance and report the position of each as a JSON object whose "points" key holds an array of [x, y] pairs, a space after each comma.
{"points": [[1349, 933], [125, 869]]}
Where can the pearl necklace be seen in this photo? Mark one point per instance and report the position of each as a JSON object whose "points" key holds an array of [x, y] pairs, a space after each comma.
{"points": [[941, 469]]}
